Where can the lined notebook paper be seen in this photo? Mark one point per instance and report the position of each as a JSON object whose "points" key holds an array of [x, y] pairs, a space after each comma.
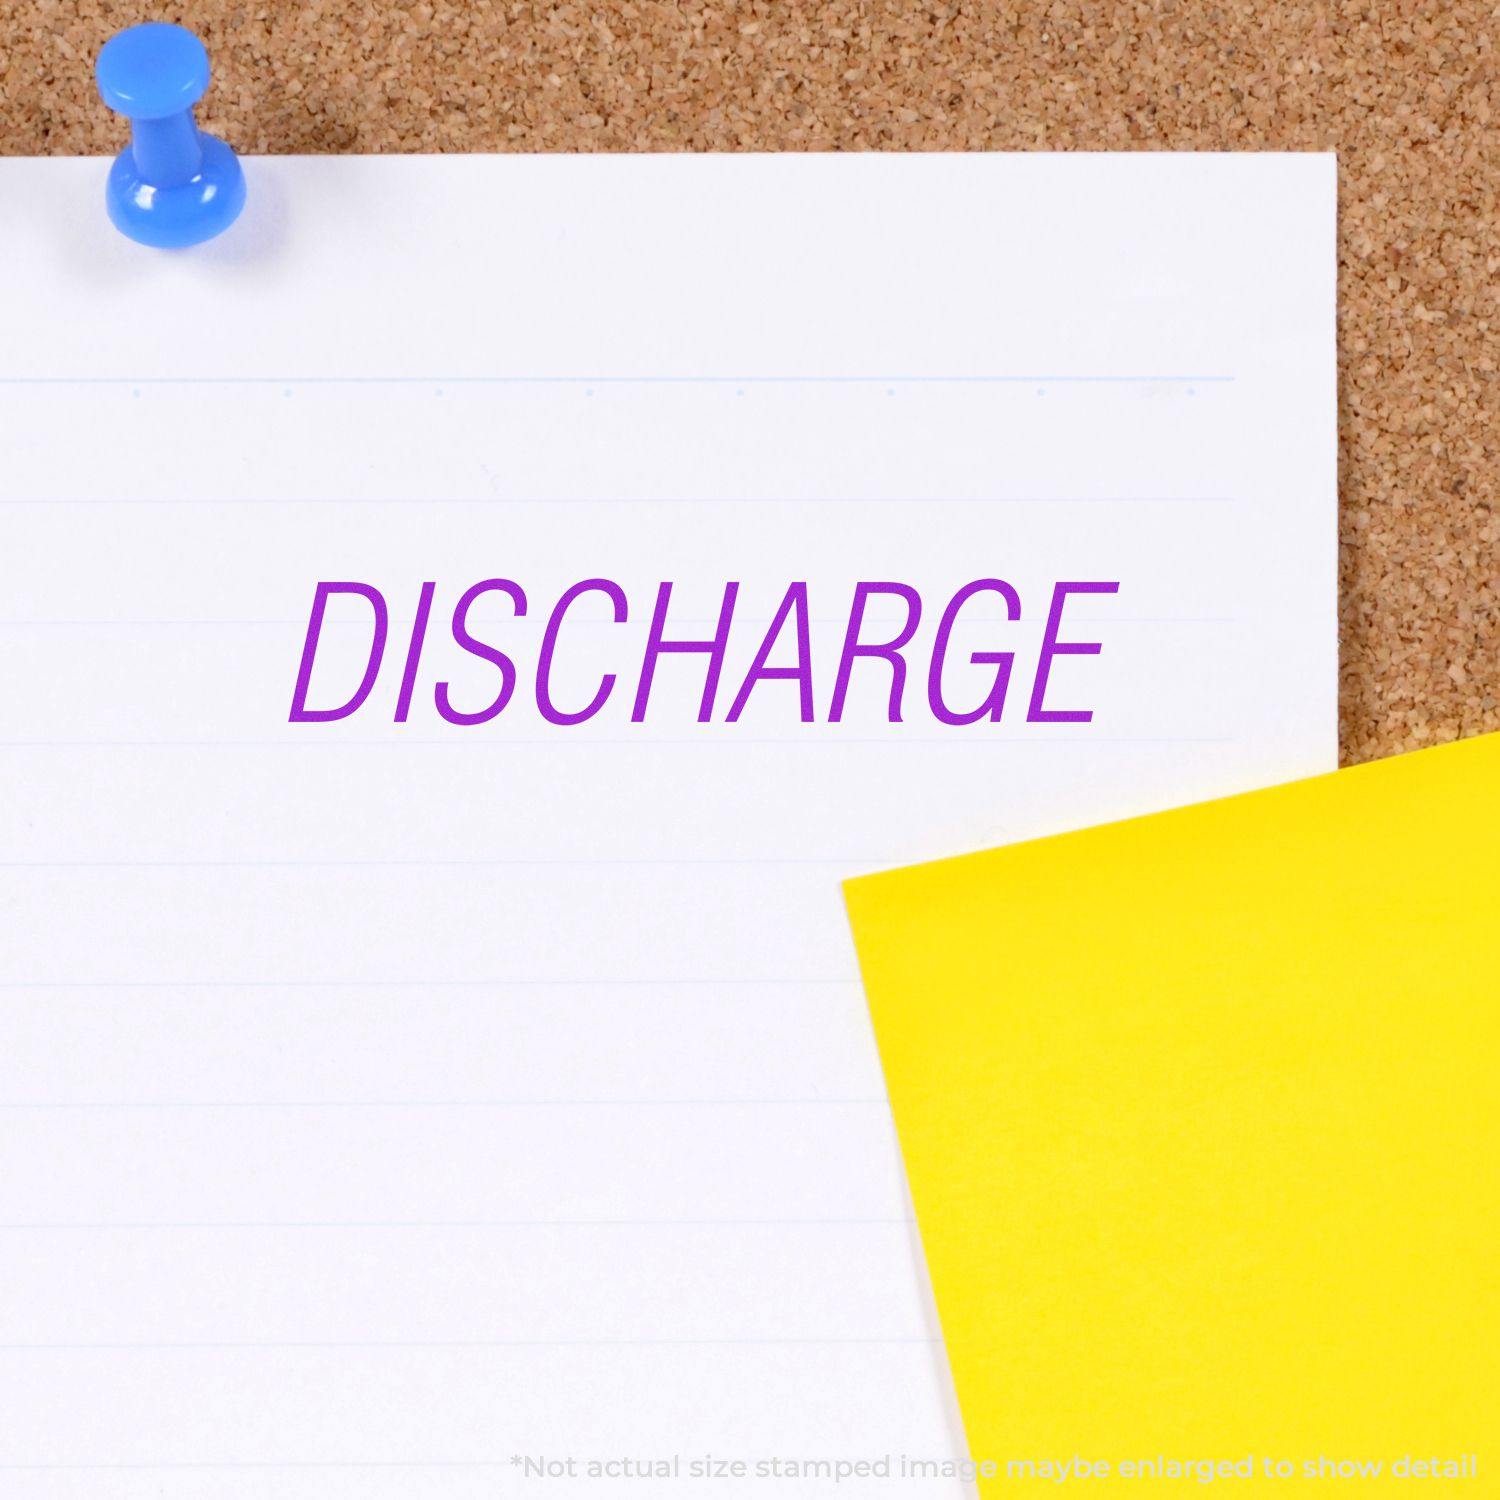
{"points": [[423, 1100]]}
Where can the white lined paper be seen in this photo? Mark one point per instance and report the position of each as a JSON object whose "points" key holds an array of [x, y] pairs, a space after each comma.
{"points": [[379, 1101]]}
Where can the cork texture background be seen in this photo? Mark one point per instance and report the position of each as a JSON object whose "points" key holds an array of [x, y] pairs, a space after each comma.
{"points": [[1405, 92]]}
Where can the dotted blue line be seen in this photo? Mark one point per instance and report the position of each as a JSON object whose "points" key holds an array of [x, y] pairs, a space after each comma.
{"points": [[597, 380]]}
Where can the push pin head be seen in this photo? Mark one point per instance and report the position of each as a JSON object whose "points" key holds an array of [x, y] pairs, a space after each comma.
{"points": [[172, 185]]}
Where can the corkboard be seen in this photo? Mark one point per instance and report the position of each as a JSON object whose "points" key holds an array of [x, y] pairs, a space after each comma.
{"points": [[1404, 90]]}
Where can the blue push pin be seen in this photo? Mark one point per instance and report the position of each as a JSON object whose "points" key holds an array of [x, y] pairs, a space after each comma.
{"points": [[172, 185]]}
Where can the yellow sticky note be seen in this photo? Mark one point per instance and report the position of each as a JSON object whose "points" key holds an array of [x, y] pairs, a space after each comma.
{"points": [[1199, 1115]]}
